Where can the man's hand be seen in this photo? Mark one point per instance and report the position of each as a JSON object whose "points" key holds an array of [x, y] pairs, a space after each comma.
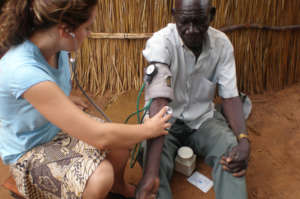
{"points": [[237, 160], [147, 188]]}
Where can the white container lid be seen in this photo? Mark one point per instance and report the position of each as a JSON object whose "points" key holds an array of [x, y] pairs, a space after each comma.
{"points": [[185, 152]]}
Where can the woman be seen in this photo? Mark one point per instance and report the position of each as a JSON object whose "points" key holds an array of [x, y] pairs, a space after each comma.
{"points": [[34, 90]]}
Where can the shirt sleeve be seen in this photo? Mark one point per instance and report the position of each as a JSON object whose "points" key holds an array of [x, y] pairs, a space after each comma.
{"points": [[226, 71], [156, 49], [25, 77]]}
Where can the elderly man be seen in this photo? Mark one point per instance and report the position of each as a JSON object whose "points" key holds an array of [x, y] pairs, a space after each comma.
{"points": [[192, 60]]}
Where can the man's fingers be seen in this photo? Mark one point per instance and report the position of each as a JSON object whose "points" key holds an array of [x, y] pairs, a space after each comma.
{"points": [[238, 164], [237, 169], [155, 187], [223, 161], [233, 166], [229, 159], [225, 168], [234, 170], [233, 155], [240, 174]]}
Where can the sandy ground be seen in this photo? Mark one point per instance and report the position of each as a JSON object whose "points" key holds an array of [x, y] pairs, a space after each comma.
{"points": [[274, 128]]}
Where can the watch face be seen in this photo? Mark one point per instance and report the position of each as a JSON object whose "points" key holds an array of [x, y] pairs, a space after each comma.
{"points": [[150, 69]]}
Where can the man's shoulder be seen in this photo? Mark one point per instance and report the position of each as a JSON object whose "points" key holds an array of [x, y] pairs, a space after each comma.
{"points": [[169, 32], [160, 47], [218, 37], [168, 29]]}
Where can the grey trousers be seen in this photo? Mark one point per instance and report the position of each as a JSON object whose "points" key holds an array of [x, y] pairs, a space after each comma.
{"points": [[213, 139]]}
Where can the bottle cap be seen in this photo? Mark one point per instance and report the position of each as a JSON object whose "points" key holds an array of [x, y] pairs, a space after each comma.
{"points": [[185, 152]]}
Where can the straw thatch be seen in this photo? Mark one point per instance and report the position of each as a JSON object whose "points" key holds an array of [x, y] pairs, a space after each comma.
{"points": [[111, 59]]}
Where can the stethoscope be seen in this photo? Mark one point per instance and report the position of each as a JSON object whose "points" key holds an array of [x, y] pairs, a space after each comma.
{"points": [[150, 72], [73, 64]]}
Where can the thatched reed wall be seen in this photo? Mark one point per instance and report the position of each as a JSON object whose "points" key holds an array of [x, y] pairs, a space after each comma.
{"points": [[266, 60]]}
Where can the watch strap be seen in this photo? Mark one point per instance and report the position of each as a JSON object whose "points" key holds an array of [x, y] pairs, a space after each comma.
{"points": [[243, 135]]}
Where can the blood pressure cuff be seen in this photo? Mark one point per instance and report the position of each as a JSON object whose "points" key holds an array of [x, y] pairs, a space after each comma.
{"points": [[161, 84]]}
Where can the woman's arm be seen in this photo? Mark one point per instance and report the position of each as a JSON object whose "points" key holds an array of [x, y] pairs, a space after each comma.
{"points": [[55, 106], [79, 102]]}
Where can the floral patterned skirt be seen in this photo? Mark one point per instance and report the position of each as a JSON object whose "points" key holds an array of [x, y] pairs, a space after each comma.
{"points": [[57, 169]]}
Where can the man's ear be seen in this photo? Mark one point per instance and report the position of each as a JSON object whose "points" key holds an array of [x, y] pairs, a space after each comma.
{"points": [[212, 13]]}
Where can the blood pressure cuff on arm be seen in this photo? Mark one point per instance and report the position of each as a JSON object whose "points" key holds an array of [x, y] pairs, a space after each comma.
{"points": [[160, 86]]}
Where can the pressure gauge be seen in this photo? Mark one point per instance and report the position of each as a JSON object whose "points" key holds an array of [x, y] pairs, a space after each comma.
{"points": [[150, 70], [169, 110]]}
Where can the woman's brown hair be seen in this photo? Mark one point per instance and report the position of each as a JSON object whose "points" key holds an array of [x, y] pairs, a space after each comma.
{"points": [[21, 18]]}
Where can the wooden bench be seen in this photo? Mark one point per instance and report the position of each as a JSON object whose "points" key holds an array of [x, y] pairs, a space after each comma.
{"points": [[10, 185]]}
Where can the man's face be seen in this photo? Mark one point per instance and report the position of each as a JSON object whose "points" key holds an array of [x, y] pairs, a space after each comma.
{"points": [[192, 22]]}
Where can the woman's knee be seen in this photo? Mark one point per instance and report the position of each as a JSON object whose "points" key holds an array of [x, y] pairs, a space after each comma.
{"points": [[104, 174], [101, 181]]}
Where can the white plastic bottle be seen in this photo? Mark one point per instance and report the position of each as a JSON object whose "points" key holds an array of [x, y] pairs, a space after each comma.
{"points": [[185, 161]]}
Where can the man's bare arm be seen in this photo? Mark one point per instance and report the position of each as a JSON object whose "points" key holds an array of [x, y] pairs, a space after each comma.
{"points": [[233, 112], [149, 184], [237, 160], [154, 146]]}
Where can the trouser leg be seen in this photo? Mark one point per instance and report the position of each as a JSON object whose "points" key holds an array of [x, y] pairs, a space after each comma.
{"points": [[171, 144], [213, 139]]}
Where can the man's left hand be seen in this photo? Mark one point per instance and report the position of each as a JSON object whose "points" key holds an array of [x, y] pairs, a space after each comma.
{"points": [[237, 160]]}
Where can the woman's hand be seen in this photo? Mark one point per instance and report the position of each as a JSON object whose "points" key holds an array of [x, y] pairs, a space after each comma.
{"points": [[157, 125]]}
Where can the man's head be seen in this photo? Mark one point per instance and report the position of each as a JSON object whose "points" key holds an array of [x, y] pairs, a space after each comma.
{"points": [[192, 18]]}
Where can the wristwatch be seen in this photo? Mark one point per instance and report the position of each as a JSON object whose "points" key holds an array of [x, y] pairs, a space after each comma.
{"points": [[242, 136]]}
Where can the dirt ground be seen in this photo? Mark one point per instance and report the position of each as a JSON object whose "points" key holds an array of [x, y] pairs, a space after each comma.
{"points": [[274, 128]]}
